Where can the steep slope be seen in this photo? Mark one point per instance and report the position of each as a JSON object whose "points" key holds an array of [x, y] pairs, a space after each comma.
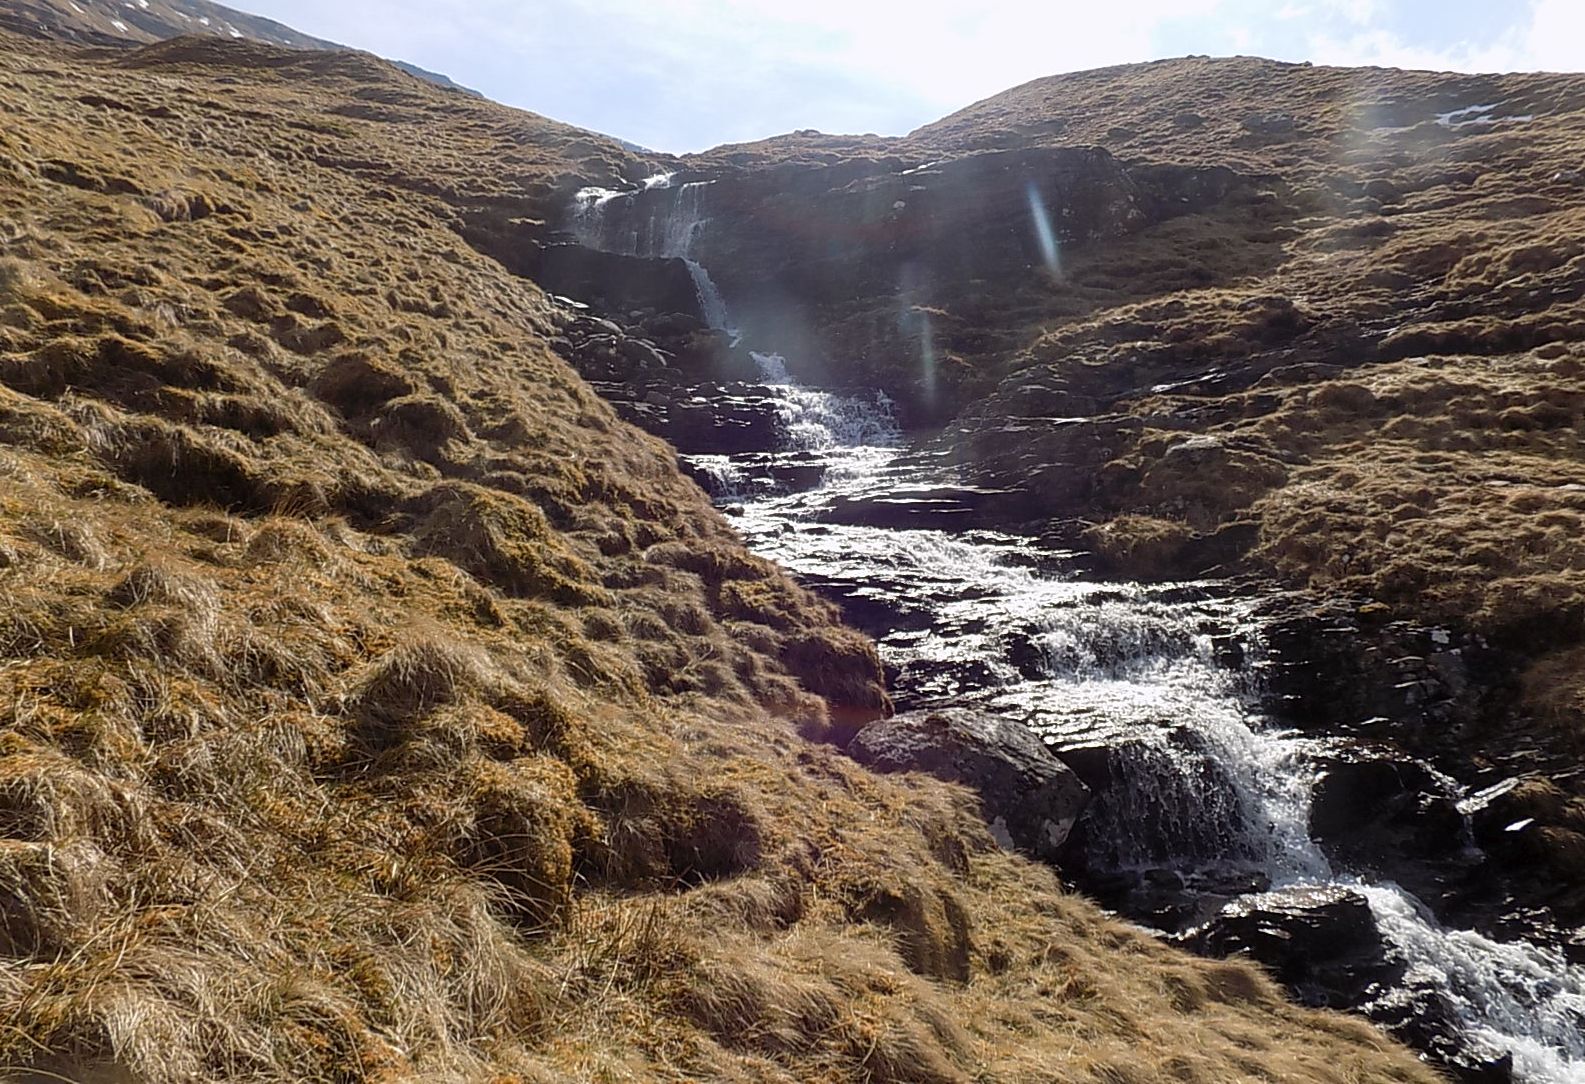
{"points": [[375, 705], [1246, 113], [1394, 409]]}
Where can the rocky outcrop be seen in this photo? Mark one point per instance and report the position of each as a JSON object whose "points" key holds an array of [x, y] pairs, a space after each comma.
{"points": [[1374, 811], [1325, 945], [671, 392], [1030, 797], [874, 270], [1322, 942]]}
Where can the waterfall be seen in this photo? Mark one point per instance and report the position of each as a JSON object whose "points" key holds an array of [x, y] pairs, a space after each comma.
{"points": [[711, 304], [639, 223], [815, 420], [1227, 786], [1238, 789]]}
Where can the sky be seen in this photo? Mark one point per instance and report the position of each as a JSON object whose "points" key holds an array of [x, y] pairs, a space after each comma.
{"points": [[686, 75]]}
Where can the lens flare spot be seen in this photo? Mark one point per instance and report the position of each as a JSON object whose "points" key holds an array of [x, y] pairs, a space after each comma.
{"points": [[1050, 252]]}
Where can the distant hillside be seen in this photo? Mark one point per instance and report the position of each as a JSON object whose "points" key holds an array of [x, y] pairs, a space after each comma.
{"points": [[111, 22]]}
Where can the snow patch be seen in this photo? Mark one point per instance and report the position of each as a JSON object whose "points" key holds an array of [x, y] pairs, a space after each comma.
{"points": [[1477, 116]]}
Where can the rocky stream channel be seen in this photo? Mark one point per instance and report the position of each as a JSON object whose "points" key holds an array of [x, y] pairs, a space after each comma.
{"points": [[1215, 761]]}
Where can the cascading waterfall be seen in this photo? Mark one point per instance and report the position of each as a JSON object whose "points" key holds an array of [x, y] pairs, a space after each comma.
{"points": [[815, 420], [1513, 998], [1202, 777], [617, 222]]}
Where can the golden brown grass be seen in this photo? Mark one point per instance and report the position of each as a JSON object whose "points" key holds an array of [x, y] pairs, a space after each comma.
{"points": [[375, 706], [1391, 408]]}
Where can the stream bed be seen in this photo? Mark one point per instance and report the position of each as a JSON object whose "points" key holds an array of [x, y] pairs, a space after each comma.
{"points": [[1214, 819], [1200, 822]]}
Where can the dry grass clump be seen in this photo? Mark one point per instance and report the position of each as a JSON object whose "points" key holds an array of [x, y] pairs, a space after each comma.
{"points": [[1139, 543], [1453, 488], [504, 541], [375, 706]]}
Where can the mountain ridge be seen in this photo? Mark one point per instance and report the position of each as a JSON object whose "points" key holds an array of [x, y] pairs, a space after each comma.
{"points": [[109, 22]]}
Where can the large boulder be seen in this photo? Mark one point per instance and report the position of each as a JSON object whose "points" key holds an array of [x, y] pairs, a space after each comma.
{"points": [[1030, 797], [1373, 808]]}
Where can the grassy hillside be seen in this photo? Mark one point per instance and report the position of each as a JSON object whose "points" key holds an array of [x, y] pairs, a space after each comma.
{"points": [[1391, 406], [375, 706]]}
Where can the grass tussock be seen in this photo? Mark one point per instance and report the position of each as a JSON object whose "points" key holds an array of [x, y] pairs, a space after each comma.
{"points": [[374, 706]]}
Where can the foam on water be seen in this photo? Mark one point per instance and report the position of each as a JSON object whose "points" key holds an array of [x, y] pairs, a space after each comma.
{"points": [[814, 420], [1515, 998]]}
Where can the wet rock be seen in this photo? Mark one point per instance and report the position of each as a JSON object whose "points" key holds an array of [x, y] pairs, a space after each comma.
{"points": [[1157, 802], [1340, 664], [608, 282], [874, 606], [1030, 797], [1373, 809], [1534, 832], [1421, 1016], [1321, 942], [936, 506], [721, 424]]}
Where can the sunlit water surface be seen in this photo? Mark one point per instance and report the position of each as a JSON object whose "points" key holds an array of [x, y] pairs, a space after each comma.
{"points": [[992, 620]]}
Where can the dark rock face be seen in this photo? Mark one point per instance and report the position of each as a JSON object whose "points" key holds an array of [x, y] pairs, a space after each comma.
{"points": [[613, 284], [1337, 667], [825, 238], [1164, 837], [1321, 942], [1413, 695], [1157, 804], [1031, 798], [649, 386], [842, 265], [1372, 811]]}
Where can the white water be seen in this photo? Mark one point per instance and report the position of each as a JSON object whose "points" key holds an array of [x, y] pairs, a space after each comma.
{"points": [[815, 420], [1108, 661], [606, 220]]}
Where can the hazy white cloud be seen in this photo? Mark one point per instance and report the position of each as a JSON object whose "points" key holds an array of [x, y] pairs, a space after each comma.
{"points": [[1555, 38], [687, 74], [1543, 35]]}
